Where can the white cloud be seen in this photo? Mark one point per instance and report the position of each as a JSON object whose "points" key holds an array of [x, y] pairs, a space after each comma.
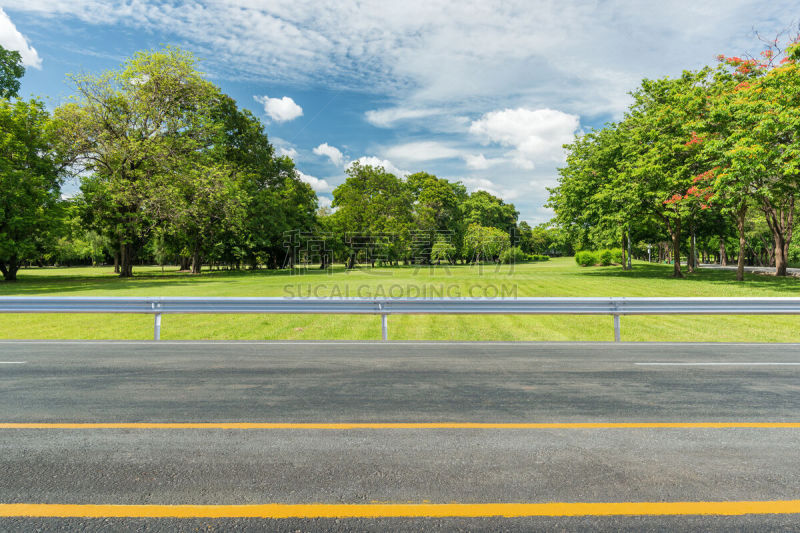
{"points": [[280, 109], [12, 39], [290, 152], [386, 118], [331, 152], [324, 201], [578, 56], [284, 147], [480, 162], [421, 151], [387, 165], [319, 185], [535, 135], [507, 194]]}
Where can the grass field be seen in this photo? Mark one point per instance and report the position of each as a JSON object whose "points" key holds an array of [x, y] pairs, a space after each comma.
{"points": [[558, 277]]}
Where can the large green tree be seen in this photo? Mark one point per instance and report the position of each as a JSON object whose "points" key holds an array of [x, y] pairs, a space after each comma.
{"points": [[274, 198], [485, 209], [658, 163], [762, 156], [437, 214], [373, 212], [29, 183], [133, 130]]}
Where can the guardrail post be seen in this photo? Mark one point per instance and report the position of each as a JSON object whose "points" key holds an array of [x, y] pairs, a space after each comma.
{"points": [[384, 323], [157, 328], [156, 321], [616, 328]]}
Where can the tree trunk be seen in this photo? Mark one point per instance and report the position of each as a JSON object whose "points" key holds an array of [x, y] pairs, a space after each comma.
{"points": [[624, 262], [196, 265], [723, 257], [184, 263], [116, 262], [691, 261], [126, 261], [630, 249], [675, 232], [780, 220], [740, 219], [10, 271], [780, 256]]}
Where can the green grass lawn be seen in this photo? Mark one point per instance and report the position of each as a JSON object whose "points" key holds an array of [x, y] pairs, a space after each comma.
{"points": [[558, 277]]}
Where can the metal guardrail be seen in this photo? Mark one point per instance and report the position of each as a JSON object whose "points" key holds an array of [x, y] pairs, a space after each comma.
{"points": [[613, 306]]}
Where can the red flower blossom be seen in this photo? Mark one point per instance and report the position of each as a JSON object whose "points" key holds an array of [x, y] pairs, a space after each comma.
{"points": [[707, 175], [694, 140]]}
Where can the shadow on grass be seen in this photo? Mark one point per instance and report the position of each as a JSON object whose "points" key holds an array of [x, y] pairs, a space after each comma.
{"points": [[45, 283], [705, 275], [54, 280]]}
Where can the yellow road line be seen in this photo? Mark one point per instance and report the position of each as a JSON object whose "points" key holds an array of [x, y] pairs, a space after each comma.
{"points": [[401, 425], [316, 510]]}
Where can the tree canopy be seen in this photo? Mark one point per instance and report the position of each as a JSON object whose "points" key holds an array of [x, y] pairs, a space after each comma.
{"points": [[694, 154], [11, 70]]}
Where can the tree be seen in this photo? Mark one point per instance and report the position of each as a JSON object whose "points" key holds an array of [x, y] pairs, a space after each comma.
{"points": [[373, 210], [132, 130], [594, 199], [29, 183], [728, 188], [11, 70], [751, 144], [485, 209], [485, 243], [208, 203], [442, 249], [767, 144], [658, 163], [436, 214], [542, 239]]}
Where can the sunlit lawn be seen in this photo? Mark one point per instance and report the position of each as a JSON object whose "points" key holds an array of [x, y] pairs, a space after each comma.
{"points": [[558, 277]]}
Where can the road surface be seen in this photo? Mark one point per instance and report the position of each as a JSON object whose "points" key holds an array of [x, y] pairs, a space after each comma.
{"points": [[398, 436]]}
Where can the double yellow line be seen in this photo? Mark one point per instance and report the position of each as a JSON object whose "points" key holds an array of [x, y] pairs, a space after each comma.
{"points": [[400, 510]]}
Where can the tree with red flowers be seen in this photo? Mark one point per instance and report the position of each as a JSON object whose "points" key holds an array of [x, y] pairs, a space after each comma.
{"points": [[753, 143], [659, 163]]}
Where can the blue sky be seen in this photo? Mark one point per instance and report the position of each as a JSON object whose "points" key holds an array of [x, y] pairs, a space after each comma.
{"points": [[483, 92]]}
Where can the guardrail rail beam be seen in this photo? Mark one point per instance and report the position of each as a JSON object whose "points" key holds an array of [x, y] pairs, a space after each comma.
{"points": [[614, 306]]}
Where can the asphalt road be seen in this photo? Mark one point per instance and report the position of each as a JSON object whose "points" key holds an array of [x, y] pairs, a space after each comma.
{"points": [[395, 383]]}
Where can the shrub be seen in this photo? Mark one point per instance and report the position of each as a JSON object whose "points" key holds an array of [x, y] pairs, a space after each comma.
{"points": [[794, 254], [616, 254], [605, 257], [538, 257], [585, 258], [513, 255]]}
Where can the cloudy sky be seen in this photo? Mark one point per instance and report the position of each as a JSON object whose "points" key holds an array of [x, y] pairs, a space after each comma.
{"points": [[485, 92]]}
